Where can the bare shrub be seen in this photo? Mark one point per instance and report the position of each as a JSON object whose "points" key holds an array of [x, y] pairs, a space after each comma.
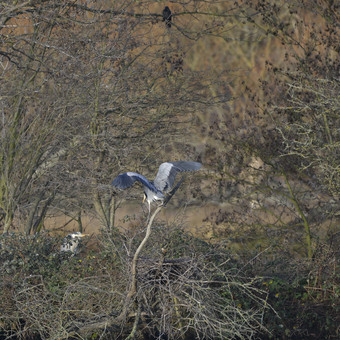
{"points": [[191, 288]]}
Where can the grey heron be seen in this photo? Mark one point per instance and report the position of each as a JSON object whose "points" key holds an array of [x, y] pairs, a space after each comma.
{"points": [[71, 242], [161, 185]]}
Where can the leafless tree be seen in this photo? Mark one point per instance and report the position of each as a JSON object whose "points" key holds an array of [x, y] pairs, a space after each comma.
{"points": [[86, 89], [278, 169]]}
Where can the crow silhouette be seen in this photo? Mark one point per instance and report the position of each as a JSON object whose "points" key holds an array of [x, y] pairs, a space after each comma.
{"points": [[167, 16]]}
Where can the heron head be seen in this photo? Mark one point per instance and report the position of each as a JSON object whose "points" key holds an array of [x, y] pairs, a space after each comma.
{"points": [[78, 235]]}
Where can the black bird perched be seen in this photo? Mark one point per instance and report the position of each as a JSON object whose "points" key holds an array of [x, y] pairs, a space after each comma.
{"points": [[164, 180], [167, 16]]}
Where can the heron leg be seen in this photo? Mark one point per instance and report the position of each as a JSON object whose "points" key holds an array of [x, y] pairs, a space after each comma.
{"points": [[149, 206], [162, 203], [173, 191]]}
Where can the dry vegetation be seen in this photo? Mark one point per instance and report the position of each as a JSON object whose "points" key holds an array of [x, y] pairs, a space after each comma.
{"points": [[248, 88]]}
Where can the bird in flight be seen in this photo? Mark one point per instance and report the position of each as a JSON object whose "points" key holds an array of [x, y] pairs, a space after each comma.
{"points": [[161, 185]]}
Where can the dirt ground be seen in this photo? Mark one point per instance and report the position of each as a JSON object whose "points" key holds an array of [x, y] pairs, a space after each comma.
{"points": [[194, 218]]}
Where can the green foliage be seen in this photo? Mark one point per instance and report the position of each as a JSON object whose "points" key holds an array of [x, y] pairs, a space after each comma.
{"points": [[301, 312], [34, 255], [304, 295]]}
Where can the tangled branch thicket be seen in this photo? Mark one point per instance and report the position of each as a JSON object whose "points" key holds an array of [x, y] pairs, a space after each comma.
{"points": [[200, 297], [196, 290], [311, 132]]}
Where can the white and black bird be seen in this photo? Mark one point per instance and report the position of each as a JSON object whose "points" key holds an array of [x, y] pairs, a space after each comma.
{"points": [[71, 243], [161, 185]]}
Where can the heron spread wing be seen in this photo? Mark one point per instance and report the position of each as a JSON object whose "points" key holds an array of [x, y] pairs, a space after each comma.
{"points": [[127, 179], [167, 171]]}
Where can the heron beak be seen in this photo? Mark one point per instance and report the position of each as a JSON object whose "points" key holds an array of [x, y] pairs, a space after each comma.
{"points": [[144, 198], [83, 235]]}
